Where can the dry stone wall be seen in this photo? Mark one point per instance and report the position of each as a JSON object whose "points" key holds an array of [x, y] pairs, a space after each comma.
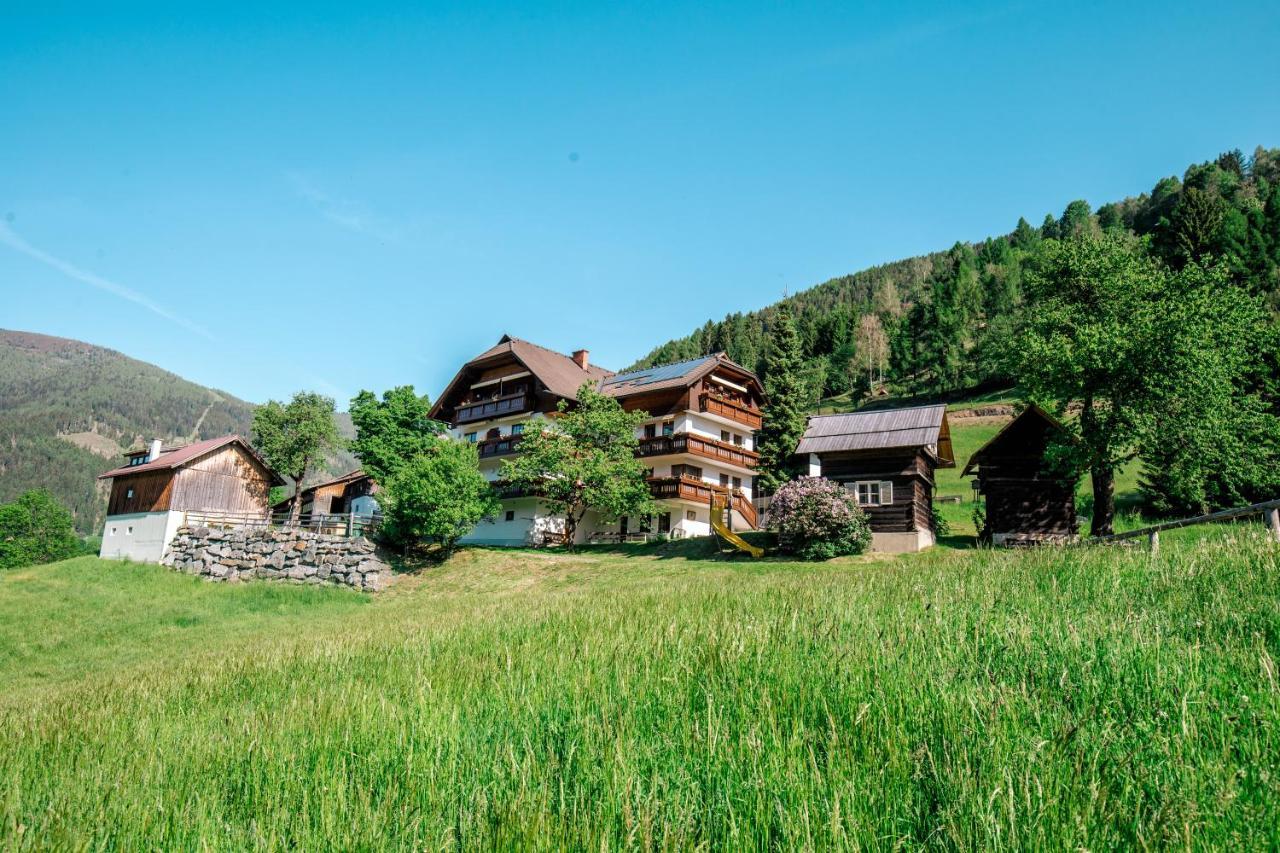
{"points": [[293, 556]]}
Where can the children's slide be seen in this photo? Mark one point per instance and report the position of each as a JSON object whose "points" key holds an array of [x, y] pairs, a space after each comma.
{"points": [[722, 530]]}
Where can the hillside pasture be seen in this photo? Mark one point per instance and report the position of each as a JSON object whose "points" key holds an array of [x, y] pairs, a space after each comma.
{"points": [[653, 696]]}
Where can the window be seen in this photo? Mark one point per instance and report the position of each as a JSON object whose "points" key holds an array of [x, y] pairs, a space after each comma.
{"points": [[724, 479], [470, 438], [724, 435], [622, 525], [668, 427], [690, 515], [518, 429], [128, 493], [646, 523], [737, 482], [737, 439], [873, 492], [113, 531], [650, 430], [664, 522], [129, 531], [511, 515]]}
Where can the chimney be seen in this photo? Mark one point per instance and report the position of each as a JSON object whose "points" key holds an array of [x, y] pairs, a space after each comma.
{"points": [[580, 358], [154, 452]]}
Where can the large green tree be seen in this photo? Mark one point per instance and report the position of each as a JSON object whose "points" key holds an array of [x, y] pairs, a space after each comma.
{"points": [[35, 529], [436, 495], [294, 436], [786, 406], [392, 431], [583, 460], [1141, 353]]}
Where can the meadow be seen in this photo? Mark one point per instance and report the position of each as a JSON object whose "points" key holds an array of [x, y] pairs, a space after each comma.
{"points": [[653, 696]]}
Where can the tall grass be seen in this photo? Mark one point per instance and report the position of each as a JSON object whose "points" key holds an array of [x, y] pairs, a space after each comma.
{"points": [[1076, 698]]}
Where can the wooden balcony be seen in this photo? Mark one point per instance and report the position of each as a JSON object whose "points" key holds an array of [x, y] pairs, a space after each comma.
{"points": [[511, 404], [698, 491], [713, 405], [698, 445], [502, 446]]}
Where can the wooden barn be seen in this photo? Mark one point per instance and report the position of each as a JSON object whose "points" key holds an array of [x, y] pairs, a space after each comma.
{"points": [[156, 488], [886, 458], [1025, 504], [351, 493]]}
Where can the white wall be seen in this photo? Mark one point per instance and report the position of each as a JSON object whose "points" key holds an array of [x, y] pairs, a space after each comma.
{"points": [[139, 536]]}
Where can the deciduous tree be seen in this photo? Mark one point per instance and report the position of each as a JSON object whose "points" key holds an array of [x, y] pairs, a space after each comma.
{"points": [[35, 529], [293, 436], [393, 431], [583, 460], [436, 495]]}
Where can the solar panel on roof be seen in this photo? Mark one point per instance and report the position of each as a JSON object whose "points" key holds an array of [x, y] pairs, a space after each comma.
{"points": [[650, 375]]}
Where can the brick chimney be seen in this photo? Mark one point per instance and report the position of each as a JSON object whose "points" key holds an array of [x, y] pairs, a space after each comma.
{"points": [[154, 451], [580, 358]]}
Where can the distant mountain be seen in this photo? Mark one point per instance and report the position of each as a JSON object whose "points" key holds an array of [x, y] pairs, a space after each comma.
{"points": [[68, 410]]}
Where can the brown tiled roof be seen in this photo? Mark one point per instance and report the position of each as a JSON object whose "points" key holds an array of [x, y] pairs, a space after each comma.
{"points": [[560, 373], [179, 456], [882, 429], [664, 376]]}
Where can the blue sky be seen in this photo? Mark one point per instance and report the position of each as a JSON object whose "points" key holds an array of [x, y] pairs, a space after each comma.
{"points": [[364, 195]]}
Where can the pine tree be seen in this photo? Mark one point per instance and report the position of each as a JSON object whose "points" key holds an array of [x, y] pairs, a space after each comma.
{"points": [[784, 414]]}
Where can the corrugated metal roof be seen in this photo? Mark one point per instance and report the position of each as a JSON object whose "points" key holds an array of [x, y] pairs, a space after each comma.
{"points": [[918, 426]]}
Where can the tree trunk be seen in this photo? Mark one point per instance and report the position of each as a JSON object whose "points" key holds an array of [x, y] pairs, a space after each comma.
{"points": [[570, 530], [1103, 478], [295, 511]]}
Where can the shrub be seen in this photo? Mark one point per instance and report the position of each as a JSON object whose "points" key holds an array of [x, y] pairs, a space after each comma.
{"points": [[817, 520], [438, 496], [36, 529]]}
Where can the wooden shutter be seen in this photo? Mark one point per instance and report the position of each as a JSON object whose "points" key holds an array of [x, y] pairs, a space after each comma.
{"points": [[886, 492]]}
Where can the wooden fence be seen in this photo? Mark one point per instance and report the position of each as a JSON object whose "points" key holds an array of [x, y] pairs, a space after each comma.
{"points": [[1269, 510], [334, 524]]}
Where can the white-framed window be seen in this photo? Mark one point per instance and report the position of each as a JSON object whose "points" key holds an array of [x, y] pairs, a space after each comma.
{"points": [[872, 492], [129, 531], [691, 515], [128, 493], [113, 532]]}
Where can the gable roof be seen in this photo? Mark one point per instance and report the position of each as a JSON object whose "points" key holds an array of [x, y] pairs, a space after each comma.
{"points": [[663, 376], [559, 372], [882, 429], [349, 477], [177, 457], [1031, 411]]}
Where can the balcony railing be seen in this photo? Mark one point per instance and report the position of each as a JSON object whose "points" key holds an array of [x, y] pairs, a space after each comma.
{"points": [[699, 491], [512, 404], [501, 446], [713, 405], [697, 445]]}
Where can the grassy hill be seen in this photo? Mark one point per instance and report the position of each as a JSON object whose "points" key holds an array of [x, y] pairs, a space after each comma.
{"points": [[69, 409], [1057, 699]]}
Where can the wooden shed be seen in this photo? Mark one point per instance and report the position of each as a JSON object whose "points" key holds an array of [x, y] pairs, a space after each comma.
{"points": [[1025, 503], [886, 458], [157, 487]]}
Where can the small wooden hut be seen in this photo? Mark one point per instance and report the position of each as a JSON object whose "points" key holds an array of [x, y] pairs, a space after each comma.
{"points": [[886, 458], [1025, 503]]}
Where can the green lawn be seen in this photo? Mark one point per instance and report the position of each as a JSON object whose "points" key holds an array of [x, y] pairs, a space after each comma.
{"points": [[650, 697]]}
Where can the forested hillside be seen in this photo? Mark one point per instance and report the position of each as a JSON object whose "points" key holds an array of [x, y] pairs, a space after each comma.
{"points": [[69, 409], [938, 323]]}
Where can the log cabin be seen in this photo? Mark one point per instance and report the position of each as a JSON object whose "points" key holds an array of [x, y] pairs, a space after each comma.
{"points": [[697, 441], [153, 492], [1025, 503], [886, 458]]}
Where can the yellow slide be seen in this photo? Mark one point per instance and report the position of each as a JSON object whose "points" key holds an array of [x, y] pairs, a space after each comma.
{"points": [[723, 531]]}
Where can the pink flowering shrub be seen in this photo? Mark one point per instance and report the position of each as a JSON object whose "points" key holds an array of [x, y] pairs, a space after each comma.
{"points": [[816, 519]]}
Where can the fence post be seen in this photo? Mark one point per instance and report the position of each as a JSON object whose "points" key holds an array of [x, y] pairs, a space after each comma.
{"points": [[350, 518], [1153, 538], [1273, 523]]}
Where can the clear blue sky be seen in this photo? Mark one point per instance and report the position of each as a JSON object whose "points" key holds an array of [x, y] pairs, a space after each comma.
{"points": [[360, 195]]}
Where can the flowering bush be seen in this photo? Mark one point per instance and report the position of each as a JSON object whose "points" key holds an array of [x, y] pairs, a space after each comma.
{"points": [[816, 519]]}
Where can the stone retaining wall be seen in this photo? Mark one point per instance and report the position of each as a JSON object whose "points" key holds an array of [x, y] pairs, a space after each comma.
{"points": [[294, 556]]}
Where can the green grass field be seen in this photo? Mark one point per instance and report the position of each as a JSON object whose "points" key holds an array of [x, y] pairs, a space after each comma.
{"points": [[653, 696]]}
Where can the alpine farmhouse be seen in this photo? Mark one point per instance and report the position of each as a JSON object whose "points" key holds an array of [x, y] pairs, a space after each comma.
{"points": [[698, 443]]}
